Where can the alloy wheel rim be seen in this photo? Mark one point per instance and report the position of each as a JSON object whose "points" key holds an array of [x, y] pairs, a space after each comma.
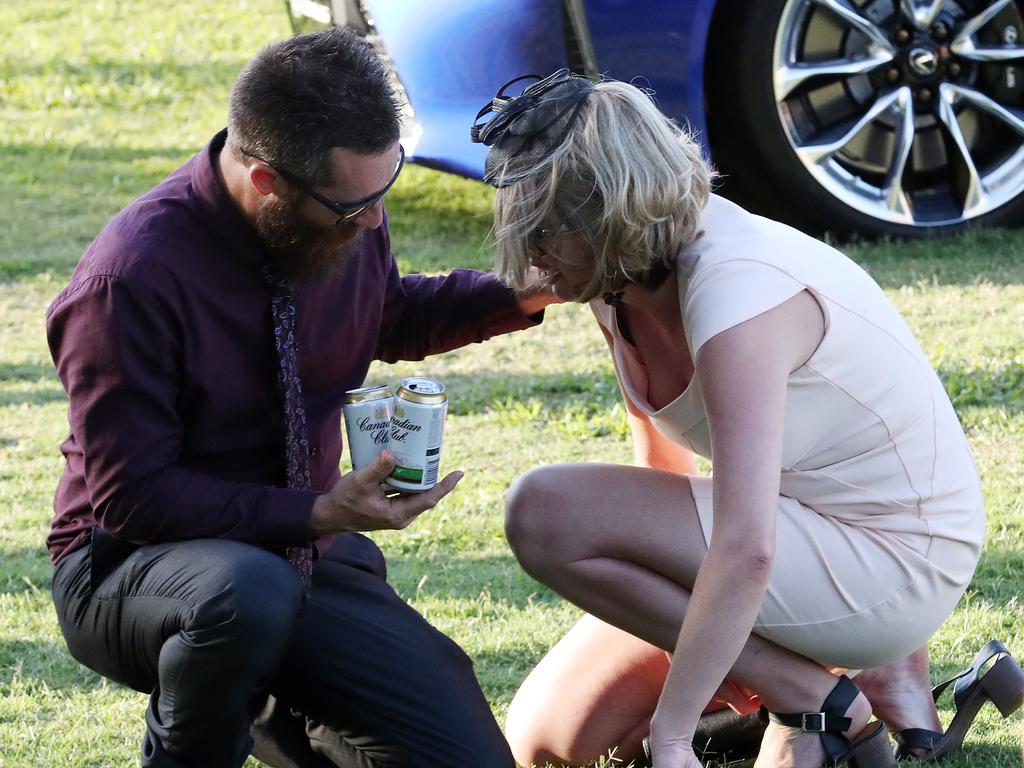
{"points": [[909, 111]]}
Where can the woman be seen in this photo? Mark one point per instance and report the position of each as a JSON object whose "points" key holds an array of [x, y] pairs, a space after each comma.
{"points": [[845, 516]]}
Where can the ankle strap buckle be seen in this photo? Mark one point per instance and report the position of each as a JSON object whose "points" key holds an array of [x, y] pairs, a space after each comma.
{"points": [[813, 722]]}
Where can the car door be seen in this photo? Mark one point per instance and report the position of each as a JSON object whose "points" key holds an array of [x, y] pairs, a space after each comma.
{"points": [[452, 56]]}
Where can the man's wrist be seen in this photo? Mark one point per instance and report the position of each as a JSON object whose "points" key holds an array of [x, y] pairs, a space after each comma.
{"points": [[318, 518], [532, 301]]}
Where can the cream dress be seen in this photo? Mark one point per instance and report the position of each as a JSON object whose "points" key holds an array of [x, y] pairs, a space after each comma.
{"points": [[881, 516]]}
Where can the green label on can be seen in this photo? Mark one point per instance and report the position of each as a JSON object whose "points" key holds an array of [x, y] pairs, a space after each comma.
{"points": [[407, 474]]}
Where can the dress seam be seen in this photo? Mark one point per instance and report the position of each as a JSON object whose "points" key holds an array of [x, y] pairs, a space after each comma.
{"points": [[913, 581], [888, 433]]}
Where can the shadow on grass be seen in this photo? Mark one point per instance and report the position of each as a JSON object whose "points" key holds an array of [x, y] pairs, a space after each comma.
{"points": [[26, 569], [31, 372], [43, 665], [34, 384], [497, 578], [51, 394]]}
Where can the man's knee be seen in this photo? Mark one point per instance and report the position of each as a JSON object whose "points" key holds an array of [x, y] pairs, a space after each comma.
{"points": [[470, 734], [255, 601], [490, 749]]}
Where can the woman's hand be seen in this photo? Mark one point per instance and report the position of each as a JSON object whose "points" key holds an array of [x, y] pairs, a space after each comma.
{"points": [[670, 748]]}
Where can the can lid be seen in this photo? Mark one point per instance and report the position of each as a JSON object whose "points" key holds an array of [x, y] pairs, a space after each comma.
{"points": [[419, 389], [365, 394]]}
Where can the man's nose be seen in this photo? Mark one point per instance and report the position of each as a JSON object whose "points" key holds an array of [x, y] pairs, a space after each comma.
{"points": [[372, 217]]}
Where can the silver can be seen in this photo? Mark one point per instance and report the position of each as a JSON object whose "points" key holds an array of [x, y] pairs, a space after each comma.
{"points": [[417, 429], [368, 412]]}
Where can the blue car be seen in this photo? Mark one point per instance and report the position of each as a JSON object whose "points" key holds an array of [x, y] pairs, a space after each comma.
{"points": [[877, 117]]}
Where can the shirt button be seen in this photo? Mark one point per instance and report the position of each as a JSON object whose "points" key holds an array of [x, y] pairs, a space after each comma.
{"points": [[314, 451]]}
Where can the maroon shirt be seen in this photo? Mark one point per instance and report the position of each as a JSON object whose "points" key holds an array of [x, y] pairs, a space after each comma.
{"points": [[163, 340]]}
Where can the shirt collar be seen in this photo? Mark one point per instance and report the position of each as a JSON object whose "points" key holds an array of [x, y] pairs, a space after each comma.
{"points": [[223, 217]]}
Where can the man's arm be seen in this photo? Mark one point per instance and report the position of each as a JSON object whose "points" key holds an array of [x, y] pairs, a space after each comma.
{"points": [[117, 353], [428, 315]]}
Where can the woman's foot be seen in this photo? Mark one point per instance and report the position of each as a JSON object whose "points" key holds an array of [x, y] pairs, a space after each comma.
{"points": [[901, 693], [789, 747]]}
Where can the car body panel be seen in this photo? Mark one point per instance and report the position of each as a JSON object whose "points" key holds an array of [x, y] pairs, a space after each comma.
{"points": [[488, 42], [661, 45]]}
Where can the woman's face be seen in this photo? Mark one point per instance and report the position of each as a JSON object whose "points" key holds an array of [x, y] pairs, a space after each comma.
{"points": [[562, 259]]}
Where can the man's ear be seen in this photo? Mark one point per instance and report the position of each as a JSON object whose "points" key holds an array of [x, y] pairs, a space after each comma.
{"points": [[263, 178]]}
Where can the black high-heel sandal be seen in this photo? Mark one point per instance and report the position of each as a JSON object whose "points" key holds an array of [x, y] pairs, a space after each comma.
{"points": [[1002, 684], [868, 750]]}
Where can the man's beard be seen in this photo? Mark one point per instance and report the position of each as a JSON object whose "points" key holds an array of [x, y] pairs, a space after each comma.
{"points": [[300, 251]]}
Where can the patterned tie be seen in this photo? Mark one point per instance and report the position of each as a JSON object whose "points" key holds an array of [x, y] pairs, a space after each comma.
{"points": [[296, 444]]}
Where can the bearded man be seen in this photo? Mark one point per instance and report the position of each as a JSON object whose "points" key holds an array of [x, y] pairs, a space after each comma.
{"points": [[206, 546]]}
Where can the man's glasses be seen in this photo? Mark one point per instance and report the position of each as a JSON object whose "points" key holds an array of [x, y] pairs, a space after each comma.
{"points": [[345, 211]]}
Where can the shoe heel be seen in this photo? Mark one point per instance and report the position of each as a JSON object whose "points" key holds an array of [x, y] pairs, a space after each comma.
{"points": [[871, 750], [1003, 684]]}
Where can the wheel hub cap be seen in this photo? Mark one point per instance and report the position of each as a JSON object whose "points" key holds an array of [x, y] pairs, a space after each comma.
{"points": [[924, 62]]}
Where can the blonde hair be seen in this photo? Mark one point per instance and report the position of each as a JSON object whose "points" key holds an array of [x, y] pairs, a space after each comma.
{"points": [[627, 180]]}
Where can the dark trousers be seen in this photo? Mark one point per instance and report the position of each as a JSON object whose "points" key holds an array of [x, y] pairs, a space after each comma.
{"points": [[236, 658]]}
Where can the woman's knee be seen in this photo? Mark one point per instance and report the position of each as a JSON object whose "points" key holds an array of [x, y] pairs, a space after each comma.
{"points": [[538, 517], [528, 730], [538, 734]]}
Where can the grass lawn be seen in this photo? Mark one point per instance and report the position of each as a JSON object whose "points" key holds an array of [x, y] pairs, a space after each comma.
{"points": [[99, 100]]}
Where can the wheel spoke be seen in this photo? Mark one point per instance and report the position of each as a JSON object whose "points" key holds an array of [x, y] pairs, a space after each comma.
{"points": [[975, 196], [1009, 53], [963, 44], [844, 11], [790, 77], [1012, 117], [893, 192], [921, 15], [819, 152]]}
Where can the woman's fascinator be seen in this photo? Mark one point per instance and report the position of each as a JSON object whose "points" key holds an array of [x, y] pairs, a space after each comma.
{"points": [[527, 129]]}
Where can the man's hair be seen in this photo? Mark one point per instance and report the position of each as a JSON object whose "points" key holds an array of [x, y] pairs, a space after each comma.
{"points": [[299, 98]]}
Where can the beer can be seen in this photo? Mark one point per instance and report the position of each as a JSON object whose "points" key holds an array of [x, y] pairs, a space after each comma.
{"points": [[417, 428], [368, 413]]}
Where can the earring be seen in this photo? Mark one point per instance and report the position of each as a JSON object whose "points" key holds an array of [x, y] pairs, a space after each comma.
{"points": [[613, 298]]}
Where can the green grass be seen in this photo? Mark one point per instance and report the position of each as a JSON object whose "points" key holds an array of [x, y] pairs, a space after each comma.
{"points": [[100, 100]]}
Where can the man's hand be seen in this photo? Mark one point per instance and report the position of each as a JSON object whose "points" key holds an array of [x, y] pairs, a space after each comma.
{"points": [[536, 295], [358, 503]]}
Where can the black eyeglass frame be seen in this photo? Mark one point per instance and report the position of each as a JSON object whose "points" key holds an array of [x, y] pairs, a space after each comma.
{"points": [[345, 211]]}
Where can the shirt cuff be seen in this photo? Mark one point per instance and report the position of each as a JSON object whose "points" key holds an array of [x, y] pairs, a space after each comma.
{"points": [[503, 313], [286, 514]]}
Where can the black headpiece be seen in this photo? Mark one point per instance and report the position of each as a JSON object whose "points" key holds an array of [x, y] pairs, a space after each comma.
{"points": [[528, 128]]}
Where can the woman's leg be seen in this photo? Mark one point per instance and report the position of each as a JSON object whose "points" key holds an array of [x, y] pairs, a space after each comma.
{"points": [[593, 692], [625, 544], [900, 693]]}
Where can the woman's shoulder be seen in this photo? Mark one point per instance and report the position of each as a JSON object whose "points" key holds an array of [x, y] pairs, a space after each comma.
{"points": [[729, 232], [748, 247]]}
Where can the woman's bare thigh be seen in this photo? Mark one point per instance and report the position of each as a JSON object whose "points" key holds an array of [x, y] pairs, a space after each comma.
{"points": [[565, 513]]}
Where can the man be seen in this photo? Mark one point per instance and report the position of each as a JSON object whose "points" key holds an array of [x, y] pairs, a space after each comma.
{"points": [[206, 340]]}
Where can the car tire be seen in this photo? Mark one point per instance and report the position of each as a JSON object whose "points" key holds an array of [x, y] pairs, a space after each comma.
{"points": [[754, 140]]}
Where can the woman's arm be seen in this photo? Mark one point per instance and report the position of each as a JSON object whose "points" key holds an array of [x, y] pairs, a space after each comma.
{"points": [[743, 375], [650, 447]]}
